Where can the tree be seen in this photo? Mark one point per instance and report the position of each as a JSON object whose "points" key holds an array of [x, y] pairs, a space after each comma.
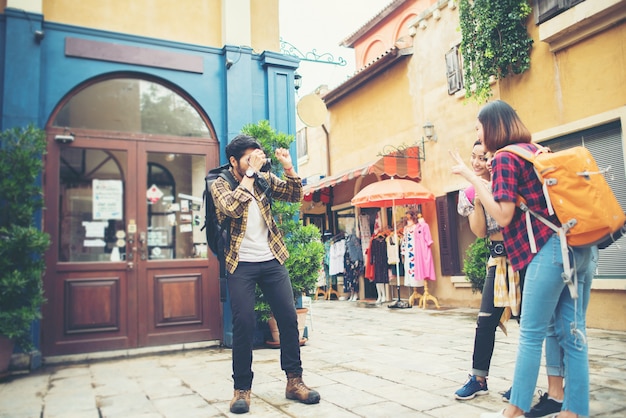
{"points": [[303, 241]]}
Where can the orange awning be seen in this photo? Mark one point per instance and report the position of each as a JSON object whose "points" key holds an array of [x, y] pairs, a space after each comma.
{"points": [[400, 164]]}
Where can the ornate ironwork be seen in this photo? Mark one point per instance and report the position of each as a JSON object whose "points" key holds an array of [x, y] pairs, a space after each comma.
{"points": [[312, 56], [400, 151]]}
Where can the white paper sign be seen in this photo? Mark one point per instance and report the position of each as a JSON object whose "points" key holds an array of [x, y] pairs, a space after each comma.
{"points": [[108, 198], [94, 229]]}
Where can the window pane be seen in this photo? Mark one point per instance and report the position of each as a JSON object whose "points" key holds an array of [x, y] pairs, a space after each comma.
{"points": [[132, 105], [91, 224], [174, 206]]}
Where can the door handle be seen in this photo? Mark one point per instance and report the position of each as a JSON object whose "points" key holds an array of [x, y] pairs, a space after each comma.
{"points": [[143, 252]]}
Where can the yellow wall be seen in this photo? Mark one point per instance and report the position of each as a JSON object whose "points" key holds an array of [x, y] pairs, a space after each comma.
{"points": [[391, 110], [372, 117], [265, 27], [579, 81], [197, 22]]}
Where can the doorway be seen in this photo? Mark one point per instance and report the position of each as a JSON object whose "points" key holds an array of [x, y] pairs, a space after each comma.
{"points": [[128, 263]]}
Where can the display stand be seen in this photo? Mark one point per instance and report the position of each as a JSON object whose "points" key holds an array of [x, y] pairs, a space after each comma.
{"points": [[415, 297], [427, 296], [320, 291]]}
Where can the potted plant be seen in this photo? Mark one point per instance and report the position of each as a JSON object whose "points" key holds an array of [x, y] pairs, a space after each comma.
{"points": [[303, 241], [22, 243], [475, 263]]}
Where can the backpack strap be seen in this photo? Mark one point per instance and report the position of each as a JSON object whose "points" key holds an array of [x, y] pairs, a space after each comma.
{"points": [[226, 174], [569, 275]]}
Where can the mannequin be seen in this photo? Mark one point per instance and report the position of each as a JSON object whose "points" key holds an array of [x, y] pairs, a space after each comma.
{"points": [[379, 259], [393, 258], [424, 264], [409, 251]]}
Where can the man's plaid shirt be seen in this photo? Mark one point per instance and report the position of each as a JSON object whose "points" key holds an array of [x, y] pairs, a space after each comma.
{"points": [[511, 176], [234, 204]]}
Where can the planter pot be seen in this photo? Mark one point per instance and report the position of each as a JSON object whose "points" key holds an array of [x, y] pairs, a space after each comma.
{"points": [[273, 326], [6, 351]]}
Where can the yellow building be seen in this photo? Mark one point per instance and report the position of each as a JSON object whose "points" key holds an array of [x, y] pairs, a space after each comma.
{"points": [[573, 93]]}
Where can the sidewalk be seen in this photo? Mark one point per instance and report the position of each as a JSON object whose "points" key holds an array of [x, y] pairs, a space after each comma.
{"points": [[365, 360]]}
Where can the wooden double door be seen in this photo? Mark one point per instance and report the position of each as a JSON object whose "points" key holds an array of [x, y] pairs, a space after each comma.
{"points": [[128, 266]]}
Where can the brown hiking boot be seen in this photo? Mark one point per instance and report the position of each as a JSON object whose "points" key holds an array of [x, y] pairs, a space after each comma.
{"points": [[241, 401], [297, 390]]}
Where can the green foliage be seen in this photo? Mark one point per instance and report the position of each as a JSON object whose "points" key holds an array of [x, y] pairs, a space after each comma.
{"points": [[495, 42], [303, 242], [475, 263], [22, 244], [305, 255]]}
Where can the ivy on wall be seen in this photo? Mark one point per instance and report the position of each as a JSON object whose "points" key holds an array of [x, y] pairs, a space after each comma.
{"points": [[495, 42]]}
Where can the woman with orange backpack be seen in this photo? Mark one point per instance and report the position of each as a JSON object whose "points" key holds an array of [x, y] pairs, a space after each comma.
{"points": [[546, 296]]}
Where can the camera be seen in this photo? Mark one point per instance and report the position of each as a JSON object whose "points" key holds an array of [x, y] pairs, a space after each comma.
{"points": [[267, 166]]}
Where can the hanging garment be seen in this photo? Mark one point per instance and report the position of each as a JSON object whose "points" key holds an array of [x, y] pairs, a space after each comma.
{"points": [[379, 259], [393, 255], [424, 265], [337, 251], [353, 269], [409, 251]]}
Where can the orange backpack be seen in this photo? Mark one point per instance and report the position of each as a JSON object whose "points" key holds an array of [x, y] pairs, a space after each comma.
{"points": [[577, 192]]}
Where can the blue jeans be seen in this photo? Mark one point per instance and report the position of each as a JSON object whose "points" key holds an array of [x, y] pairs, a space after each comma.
{"points": [[546, 299], [554, 352], [273, 279]]}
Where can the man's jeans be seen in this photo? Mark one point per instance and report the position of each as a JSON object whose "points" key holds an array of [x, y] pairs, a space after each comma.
{"points": [[546, 298], [273, 279]]}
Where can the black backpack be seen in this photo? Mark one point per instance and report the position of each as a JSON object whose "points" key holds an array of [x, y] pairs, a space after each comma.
{"points": [[216, 234]]}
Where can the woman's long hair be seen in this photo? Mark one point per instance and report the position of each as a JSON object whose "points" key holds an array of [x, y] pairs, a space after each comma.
{"points": [[501, 126]]}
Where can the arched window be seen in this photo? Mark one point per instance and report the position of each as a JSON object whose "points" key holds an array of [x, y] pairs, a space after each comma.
{"points": [[132, 105]]}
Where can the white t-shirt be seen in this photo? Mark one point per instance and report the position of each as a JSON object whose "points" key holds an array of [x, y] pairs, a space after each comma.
{"points": [[255, 247]]}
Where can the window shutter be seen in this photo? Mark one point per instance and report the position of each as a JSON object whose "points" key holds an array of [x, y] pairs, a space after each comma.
{"points": [[302, 143], [448, 249], [453, 70]]}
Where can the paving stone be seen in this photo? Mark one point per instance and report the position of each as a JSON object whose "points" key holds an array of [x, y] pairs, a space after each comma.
{"points": [[366, 361]]}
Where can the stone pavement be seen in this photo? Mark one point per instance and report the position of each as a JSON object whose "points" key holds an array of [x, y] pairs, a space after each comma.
{"points": [[365, 360]]}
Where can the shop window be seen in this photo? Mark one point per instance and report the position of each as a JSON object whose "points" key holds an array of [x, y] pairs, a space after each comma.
{"points": [[344, 221], [547, 9], [132, 105], [453, 70]]}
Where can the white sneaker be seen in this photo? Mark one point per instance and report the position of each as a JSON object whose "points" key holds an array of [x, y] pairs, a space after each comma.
{"points": [[499, 414]]}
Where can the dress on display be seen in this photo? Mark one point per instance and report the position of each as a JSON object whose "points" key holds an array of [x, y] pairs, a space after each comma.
{"points": [[418, 259], [353, 264], [378, 257]]}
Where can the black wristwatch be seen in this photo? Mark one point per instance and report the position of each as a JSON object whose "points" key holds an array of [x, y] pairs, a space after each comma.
{"points": [[250, 173]]}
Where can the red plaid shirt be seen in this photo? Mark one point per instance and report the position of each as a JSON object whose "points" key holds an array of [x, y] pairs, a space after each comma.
{"points": [[513, 175]]}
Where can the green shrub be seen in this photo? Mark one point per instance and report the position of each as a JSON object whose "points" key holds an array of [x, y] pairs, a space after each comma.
{"points": [[22, 243], [475, 263]]}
